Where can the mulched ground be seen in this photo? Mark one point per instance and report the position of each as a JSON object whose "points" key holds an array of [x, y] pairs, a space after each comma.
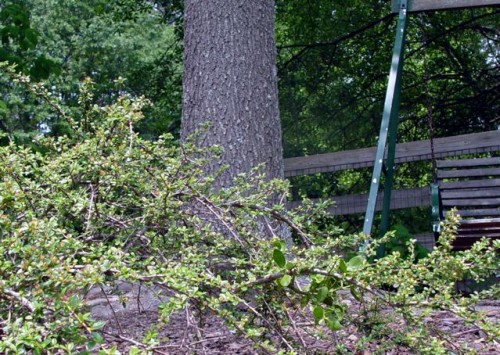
{"points": [[130, 311]]}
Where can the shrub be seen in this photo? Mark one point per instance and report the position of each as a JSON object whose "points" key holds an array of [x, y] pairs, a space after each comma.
{"points": [[102, 204]]}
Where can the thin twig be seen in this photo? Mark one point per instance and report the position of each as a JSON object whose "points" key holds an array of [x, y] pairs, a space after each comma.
{"points": [[466, 332], [254, 311], [91, 203], [186, 329], [294, 326], [218, 337], [131, 143], [278, 216], [192, 322], [112, 309], [221, 219], [136, 343], [23, 300], [138, 299]]}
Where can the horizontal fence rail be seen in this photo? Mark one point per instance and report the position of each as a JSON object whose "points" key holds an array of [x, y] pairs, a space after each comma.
{"points": [[405, 152], [351, 204]]}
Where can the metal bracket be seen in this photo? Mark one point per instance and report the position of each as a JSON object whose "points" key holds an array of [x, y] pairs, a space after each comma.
{"points": [[436, 208]]}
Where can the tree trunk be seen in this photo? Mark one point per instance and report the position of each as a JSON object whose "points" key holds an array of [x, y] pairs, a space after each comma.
{"points": [[230, 81]]}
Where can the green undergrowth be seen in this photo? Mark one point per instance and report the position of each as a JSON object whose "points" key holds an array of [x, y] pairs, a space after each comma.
{"points": [[101, 204]]}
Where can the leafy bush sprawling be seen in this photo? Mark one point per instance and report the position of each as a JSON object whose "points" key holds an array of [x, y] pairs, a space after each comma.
{"points": [[102, 204]]}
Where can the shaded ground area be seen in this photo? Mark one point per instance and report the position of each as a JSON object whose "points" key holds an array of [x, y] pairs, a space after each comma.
{"points": [[131, 313]]}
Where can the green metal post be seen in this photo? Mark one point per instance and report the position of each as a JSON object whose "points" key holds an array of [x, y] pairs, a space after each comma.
{"points": [[389, 174], [389, 164], [391, 107]]}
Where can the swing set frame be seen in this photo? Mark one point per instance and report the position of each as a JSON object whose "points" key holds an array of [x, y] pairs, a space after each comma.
{"points": [[385, 153]]}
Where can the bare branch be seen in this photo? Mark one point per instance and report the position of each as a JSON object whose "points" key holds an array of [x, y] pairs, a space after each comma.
{"points": [[21, 299]]}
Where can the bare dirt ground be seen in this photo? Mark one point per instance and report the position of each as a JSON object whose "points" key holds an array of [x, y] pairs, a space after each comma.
{"points": [[131, 310]]}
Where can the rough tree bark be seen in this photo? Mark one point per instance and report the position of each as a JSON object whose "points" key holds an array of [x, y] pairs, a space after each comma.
{"points": [[230, 80]]}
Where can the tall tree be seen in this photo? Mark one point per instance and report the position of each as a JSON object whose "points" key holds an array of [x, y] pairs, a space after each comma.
{"points": [[230, 80]]}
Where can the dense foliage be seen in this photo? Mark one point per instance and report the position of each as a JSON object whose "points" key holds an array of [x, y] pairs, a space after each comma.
{"points": [[125, 47], [333, 59], [101, 204]]}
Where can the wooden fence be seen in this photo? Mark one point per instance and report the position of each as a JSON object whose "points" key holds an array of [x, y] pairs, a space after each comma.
{"points": [[350, 204], [405, 152]]}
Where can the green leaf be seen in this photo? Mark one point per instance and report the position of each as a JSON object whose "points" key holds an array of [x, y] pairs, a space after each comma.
{"points": [[42, 68], [29, 39], [333, 323], [322, 293], [279, 258], [285, 280], [3, 107], [290, 266], [337, 310], [32, 36], [355, 293], [399, 249], [356, 263], [342, 266], [304, 300], [97, 338], [98, 325], [74, 302], [278, 244], [318, 314]]}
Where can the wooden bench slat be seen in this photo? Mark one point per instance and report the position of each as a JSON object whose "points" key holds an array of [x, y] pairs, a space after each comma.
{"points": [[470, 193], [472, 238], [475, 191], [484, 212], [462, 163], [483, 183], [471, 202], [462, 243], [472, 223], [466, 173], [479, 230]]}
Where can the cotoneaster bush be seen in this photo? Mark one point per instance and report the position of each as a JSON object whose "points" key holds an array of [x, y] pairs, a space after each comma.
{"points": [[102, 204]]}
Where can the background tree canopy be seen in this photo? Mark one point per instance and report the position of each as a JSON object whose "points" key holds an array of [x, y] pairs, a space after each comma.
{"points": [[122, 48]]}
